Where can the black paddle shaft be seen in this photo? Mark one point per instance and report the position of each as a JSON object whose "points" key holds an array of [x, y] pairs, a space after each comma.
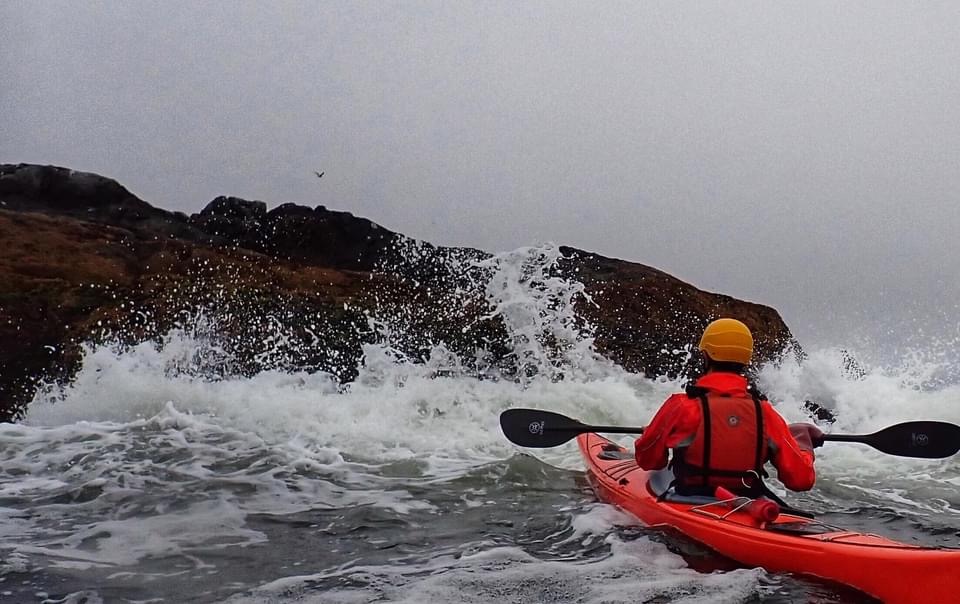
{"points": [[924, 439]]}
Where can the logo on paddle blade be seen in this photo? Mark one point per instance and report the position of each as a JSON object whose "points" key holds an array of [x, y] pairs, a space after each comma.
{"points": [[537, 427], [919, 440]]}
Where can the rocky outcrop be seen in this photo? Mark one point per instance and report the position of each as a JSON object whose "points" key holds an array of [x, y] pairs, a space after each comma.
{"points": [[85, 260], [288, 232], [644, 316]]}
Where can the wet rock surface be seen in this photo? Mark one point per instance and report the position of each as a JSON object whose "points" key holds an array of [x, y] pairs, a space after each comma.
{"points": [[85, 261]]}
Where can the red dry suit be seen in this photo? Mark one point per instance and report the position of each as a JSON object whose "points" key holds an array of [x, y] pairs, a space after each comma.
{"points": [[743, 433]]}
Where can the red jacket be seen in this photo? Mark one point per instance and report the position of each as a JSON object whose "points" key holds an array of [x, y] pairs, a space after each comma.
{"points": [[676, 423]]}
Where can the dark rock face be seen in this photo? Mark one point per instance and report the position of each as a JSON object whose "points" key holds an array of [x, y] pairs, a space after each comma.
{"points": [[296, 233], [643, 315], [81, 195], [84, 260]]}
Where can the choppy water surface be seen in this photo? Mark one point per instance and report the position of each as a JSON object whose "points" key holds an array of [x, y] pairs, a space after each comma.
{"points": [[144, 483]]}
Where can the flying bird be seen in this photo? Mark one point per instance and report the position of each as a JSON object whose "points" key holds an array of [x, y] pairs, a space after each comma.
{"points": [[319, 174]]}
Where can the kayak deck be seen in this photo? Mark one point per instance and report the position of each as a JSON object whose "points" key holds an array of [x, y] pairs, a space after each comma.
{"points": [[892, 571]]}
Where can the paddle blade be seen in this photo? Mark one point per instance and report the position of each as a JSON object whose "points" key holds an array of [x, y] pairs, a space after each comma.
{"points": [[925, 439], [536, 428]]}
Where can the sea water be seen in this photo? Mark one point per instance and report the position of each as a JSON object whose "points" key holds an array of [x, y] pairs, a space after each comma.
{"points": [[148, 479]]}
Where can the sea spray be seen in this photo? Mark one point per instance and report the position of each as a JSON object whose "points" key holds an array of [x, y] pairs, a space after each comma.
{"points": [[539, 308]]}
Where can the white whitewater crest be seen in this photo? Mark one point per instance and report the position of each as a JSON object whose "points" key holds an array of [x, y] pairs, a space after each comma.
{"points": [[396, 406], [152, 453]]}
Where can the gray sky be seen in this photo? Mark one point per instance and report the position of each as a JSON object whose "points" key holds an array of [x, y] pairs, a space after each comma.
{"points": [[802, 155]]}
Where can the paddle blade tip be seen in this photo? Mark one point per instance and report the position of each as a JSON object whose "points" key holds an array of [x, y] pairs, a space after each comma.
{"points": [[536, 428], [922, 439]]}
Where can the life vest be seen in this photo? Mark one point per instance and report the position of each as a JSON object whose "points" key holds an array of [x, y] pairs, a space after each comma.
{"points": [[728, 449]]}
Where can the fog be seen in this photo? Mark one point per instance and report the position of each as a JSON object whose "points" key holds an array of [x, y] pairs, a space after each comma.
{"points": [[800, 155]]}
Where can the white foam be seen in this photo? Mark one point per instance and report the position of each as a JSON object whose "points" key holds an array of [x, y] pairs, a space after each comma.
{"points": [[637, 570], [79, 597], [122, 542], [596, 523]]}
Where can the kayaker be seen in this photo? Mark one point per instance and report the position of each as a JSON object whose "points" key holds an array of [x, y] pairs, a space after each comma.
{"points": [[741, 432]]}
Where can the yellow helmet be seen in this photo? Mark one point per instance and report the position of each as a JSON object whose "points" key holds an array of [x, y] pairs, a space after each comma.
{"points": [[727, 341]]}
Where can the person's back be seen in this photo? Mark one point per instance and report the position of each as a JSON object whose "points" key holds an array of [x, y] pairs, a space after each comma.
{"points": [[722, 431]]}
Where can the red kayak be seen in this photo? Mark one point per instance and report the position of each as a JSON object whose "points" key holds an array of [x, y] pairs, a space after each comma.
{"points": [[896, 573]]}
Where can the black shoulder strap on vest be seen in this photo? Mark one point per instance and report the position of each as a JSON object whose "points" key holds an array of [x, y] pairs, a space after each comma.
{"points": [[705, 466], [759, 460], [754, 391]]}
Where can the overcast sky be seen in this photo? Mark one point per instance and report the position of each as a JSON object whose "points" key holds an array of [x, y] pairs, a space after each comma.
{"points": [[802, 155]]}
